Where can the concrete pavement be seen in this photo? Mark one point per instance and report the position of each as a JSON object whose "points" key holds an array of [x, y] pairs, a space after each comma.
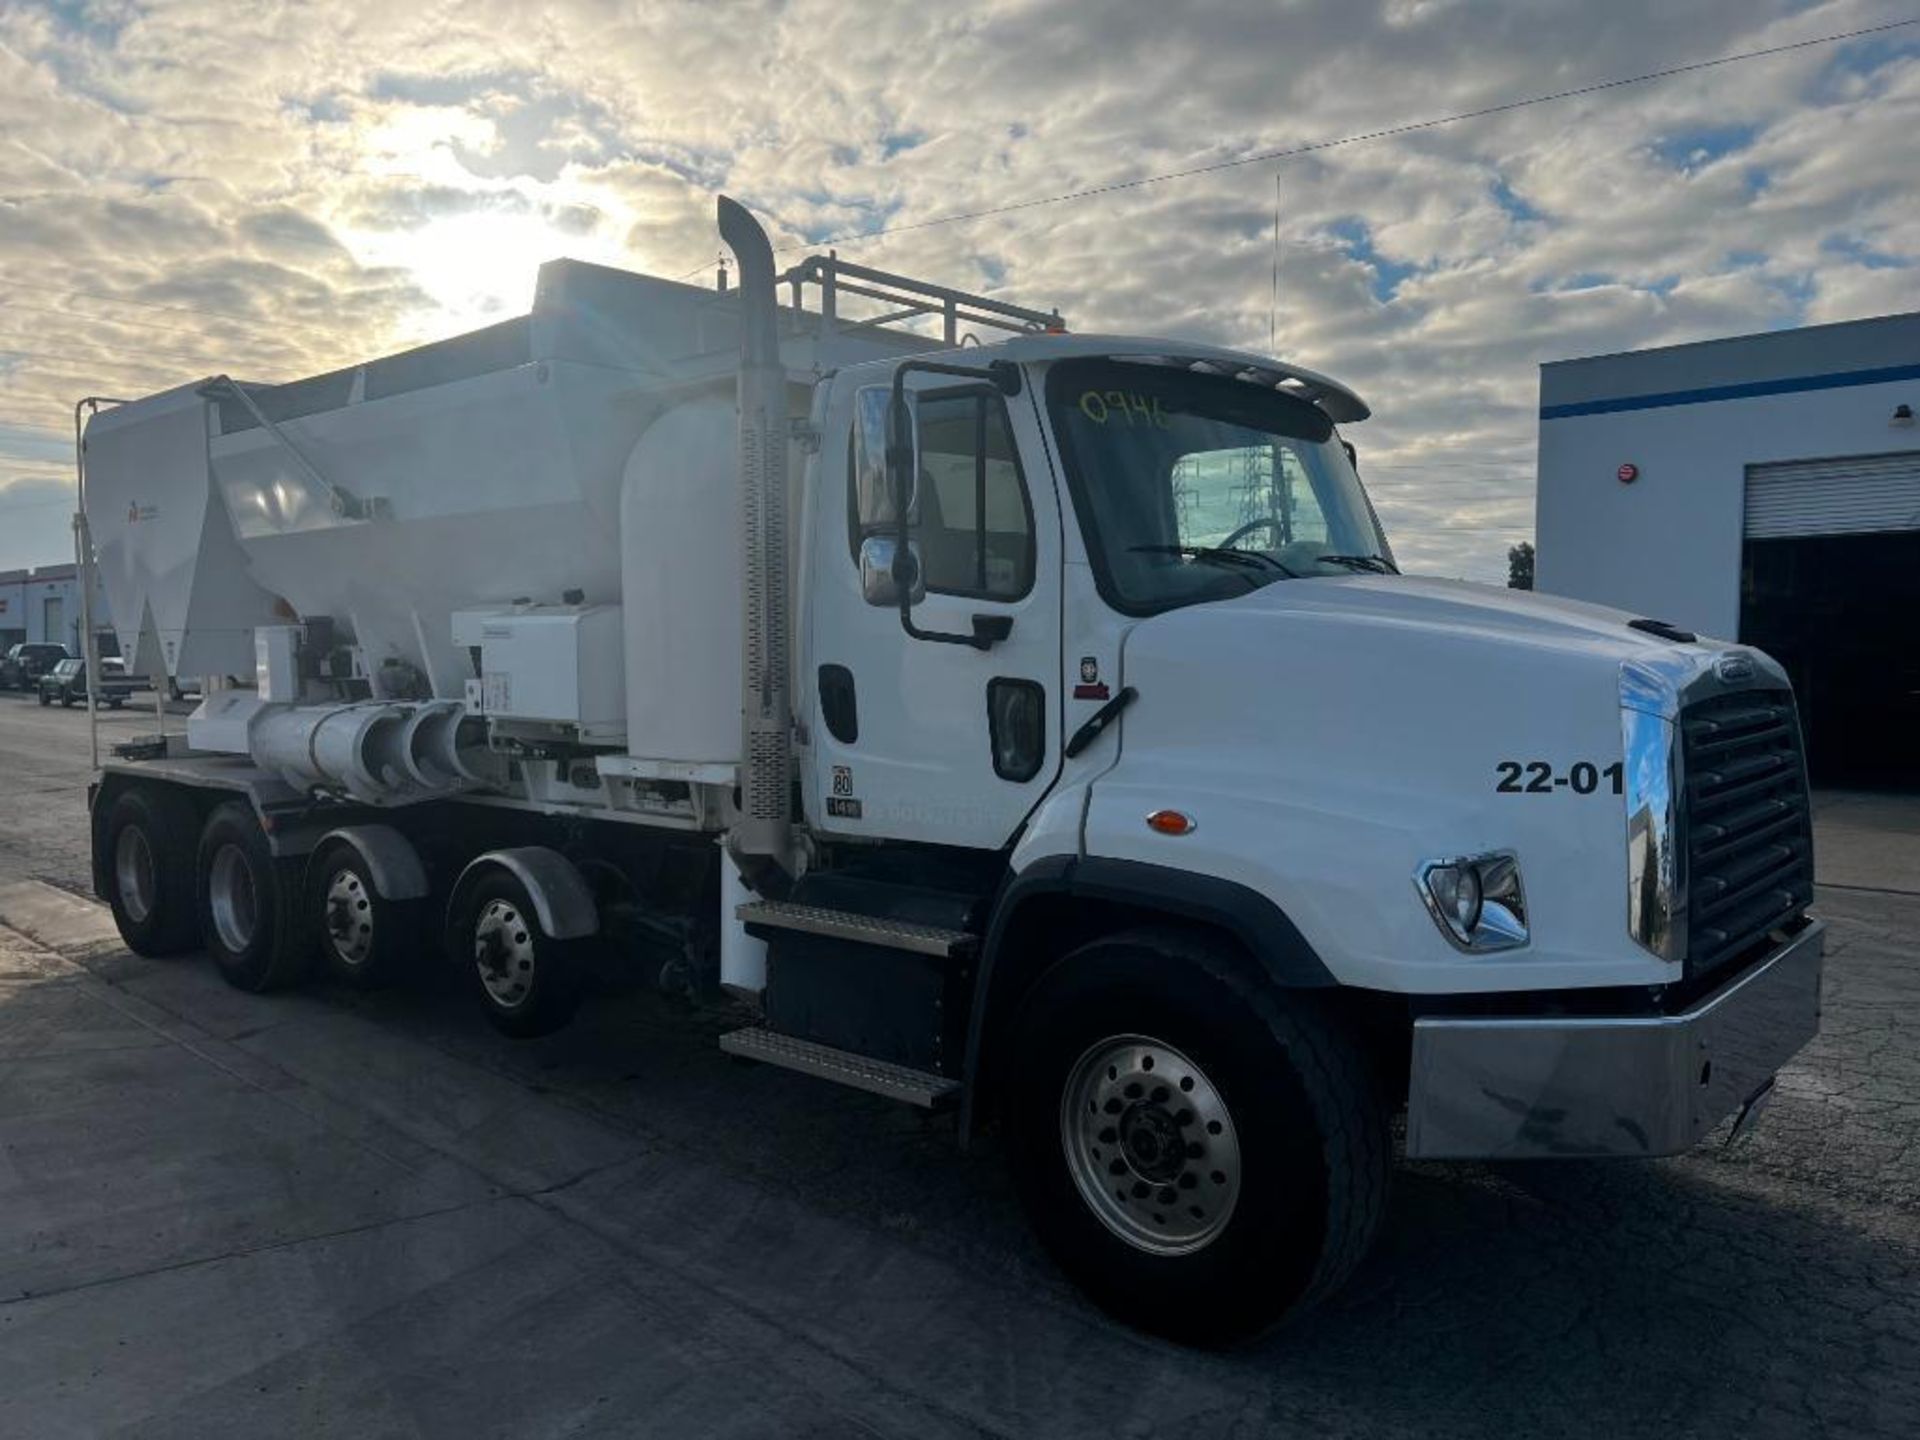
{"points": [[1868, 841], [324, 1213]]}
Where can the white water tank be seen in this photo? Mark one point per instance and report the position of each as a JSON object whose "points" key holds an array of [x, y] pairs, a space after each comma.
{"points": [[680, 536]]}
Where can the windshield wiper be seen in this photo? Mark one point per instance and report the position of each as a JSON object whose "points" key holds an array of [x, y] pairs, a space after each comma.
{"points": [[1239, 558], [1374, 564]]}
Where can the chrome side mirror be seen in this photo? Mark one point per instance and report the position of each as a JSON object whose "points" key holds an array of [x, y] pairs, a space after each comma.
{"points": [[874, 490], [877, 583], [903, 454]]}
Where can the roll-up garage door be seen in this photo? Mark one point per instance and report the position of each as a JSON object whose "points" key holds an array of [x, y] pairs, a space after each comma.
{"points": [[1862, 494]]}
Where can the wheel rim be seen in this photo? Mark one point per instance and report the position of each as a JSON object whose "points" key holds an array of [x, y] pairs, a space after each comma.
{"points": [[503, 952], [349, 918], [1150, 1145], [232, 899], [133, 873]]}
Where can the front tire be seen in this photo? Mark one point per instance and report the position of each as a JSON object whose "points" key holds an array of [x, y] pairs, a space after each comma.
{"points": [[1201, 1155], [364, 939], [45, 699], [527, 982], [147, 849], [249, 904]]}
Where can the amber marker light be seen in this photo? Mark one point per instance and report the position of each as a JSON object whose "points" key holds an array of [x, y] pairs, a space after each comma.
{"points": [[1170, 822]]}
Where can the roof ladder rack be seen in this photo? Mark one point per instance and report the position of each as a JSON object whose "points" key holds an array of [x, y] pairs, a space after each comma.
{"points": [[910, 299]]}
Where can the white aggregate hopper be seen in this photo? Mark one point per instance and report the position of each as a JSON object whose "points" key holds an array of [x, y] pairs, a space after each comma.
{"points": [[176, 579], [487, 471], [491, 489]]}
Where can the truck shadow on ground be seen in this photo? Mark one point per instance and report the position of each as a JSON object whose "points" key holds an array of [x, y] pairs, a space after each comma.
{"points": [[1588, 1296], [1698, 1294]]}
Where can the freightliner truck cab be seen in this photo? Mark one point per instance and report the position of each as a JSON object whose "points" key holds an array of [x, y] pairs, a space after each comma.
{"points": [[1096, 771]]}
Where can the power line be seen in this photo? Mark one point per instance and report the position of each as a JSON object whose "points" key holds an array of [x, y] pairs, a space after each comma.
{"points": [[12, 506], [1490, 477], [1447, 464], [106, 357], [1385, 133], [139, 323], [1273, 298], [1415, 531], [267, 322], [29, 425]]}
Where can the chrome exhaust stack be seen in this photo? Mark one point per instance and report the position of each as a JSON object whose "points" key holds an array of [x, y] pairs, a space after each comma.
{"points": [[764, 830]]}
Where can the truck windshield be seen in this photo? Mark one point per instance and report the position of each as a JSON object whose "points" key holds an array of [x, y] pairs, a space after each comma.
{"points": [[1196, 487]]}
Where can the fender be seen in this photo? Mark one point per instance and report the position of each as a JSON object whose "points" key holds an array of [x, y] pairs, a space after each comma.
{"points": [[561, 900], [392, 863], [1276, 945]]}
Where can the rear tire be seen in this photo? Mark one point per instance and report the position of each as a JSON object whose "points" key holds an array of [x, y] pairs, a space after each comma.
{"points": [[527, 982], [146, 850], [364, 940], [249, 904], [1203, 1156]]}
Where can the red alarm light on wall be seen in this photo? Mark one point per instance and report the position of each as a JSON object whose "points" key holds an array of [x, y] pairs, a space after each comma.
{"points": [[1627, 473]]}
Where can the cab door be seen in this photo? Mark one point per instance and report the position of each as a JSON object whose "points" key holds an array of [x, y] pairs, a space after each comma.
{"points": [[922, 739]]}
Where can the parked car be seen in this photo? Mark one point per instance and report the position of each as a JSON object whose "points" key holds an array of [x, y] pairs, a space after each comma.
{"points": [[26, 662], [67, 683]]}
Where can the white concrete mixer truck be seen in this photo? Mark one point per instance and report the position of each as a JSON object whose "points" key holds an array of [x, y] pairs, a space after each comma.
{"points": [[1040, 727]]}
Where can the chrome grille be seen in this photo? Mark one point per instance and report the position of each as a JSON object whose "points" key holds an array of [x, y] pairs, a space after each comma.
{"points": [[1748, 830]]}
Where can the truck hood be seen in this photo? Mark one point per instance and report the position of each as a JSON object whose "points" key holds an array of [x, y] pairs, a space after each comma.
{"points": [[1455, 608], [1330, 736]]}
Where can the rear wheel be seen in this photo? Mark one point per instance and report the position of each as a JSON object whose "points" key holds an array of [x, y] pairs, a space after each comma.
{"points": [[147, 848], [364, 939], [249, 904], [526, 981], [1201, 1155]]}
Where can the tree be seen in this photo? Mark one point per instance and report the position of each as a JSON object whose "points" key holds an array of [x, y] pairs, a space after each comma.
{"points": [[1520, 566]]}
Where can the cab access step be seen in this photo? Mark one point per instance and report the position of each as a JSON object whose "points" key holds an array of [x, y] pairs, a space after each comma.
{"points": [[843, 1067], [878, 930], [875, 1001]]}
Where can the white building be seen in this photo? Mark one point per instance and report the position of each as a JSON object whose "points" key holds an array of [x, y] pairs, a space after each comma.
{"points": [[43, 604], [1764, 488]]}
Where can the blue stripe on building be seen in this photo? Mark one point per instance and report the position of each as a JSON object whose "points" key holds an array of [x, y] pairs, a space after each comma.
{"points": [[1839, 380]]}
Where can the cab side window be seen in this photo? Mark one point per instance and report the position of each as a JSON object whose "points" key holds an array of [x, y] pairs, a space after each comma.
{"points": [[974, 521]]}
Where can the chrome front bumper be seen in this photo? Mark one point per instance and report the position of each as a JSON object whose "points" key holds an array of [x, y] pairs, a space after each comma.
{"points": [[1511, 1087]]}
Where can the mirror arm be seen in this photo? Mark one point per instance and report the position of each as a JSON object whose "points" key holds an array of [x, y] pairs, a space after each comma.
{"points": [[1004, 376]]}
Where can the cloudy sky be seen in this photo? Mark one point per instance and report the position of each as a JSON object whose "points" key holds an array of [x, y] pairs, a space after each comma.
{"points": [[271, 189]]}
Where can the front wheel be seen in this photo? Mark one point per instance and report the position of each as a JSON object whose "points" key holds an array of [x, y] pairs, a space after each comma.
{"points": [[45, 699], [526, 981], [1202, 1155]]}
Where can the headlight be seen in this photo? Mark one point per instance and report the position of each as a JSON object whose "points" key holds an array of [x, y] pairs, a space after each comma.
{"points": [[1476, 900], [1650, 755]]}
